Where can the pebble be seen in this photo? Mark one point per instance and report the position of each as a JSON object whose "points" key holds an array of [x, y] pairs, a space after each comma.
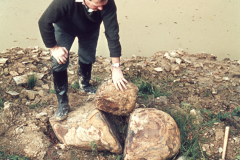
{"points": [[220, 149]]}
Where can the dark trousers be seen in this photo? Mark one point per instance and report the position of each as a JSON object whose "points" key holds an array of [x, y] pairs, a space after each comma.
{"points": [[87, 45]]}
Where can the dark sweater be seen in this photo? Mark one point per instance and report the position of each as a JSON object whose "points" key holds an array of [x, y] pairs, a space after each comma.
{"points": [[73, 18]]}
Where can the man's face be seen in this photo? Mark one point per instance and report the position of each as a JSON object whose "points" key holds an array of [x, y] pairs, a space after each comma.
{"points": [[95, 4]]}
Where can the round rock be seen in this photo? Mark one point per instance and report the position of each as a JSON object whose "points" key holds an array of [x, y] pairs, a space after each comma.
{"points": [[152, 134], [111, 100]]}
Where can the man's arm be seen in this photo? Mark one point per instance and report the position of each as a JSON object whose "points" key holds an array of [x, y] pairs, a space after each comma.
{"points": [[117, 75]]}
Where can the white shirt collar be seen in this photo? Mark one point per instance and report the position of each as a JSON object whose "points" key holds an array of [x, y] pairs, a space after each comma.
{"points": [[89, 10]]}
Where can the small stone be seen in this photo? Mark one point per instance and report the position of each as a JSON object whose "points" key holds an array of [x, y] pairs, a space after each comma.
{"points": [[71, 72], [13, 93], [220, 149], [40, 115], [21, 70], [20, 52], [182, 158], [19, 130], [31, 94], [39, 83], [24, 100], [178, 61], [225, 78], [13, 73], [236, 139], [5, 71], [3, 60], [42, 93], [158, 69], [219, 134], [45, 86], [211, 132], [214, 91], [205, 147]]}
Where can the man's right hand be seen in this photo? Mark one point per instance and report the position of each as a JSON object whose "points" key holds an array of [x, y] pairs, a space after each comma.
{"points": [[60, 54]]}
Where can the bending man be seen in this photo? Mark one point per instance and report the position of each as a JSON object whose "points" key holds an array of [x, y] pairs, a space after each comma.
{"points": [[64, 20]]}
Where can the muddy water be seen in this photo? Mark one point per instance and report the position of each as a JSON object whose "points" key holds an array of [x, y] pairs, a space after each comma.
{"points": [[145, 26]]}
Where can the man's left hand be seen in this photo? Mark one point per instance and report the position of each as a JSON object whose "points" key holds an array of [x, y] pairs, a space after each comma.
{"points": [[118, 79]]}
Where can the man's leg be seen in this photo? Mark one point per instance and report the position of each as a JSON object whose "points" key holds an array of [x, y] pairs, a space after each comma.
{"points": [[60, 78], [86, 54]]}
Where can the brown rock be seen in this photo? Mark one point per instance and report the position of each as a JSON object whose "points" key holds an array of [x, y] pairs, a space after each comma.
{"points": [[42, 93], [109, 99], [85, 125], [31, 94], [152, 134]]}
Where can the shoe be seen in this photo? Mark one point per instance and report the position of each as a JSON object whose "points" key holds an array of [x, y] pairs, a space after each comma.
{"points": [[84, 76], [60, 81]]}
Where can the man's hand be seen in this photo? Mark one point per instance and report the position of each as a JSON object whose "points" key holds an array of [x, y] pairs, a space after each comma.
{"points": [[118, 79], [60, 54]]}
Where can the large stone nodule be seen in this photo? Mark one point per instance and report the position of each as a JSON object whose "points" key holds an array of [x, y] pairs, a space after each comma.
{"points": [[84, 125], [109, 99], [152, 135]]}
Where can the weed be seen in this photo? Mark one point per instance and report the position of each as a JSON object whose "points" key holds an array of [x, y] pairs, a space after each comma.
{"points": [[236, 112], [117, 157], [93, 144], [212, 118], [12, 157], [75, 86], [98, 80], [52, 91], [190, 135], [186, 106], [207, 93], [1, 103], [33, 106], [146, 89], [32, 81]]}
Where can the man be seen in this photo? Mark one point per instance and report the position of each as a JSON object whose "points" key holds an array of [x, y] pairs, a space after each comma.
{"points": [[82, 19]]}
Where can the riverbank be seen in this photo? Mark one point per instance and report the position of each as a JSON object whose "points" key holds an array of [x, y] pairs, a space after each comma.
{"points": [[186, 81]]}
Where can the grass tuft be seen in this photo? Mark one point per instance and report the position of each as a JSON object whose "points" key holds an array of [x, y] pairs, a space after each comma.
{"points": [[147, 90], [190, 135], [75, 86], [32, 79], [13, 156]]}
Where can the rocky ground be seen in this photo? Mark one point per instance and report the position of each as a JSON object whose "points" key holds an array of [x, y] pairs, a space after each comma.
{"points": [[185, 82]]}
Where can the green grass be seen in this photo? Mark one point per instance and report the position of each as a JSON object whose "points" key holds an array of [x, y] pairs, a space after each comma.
{"points": [[212, 118], [33, 106], [93, 145], [75, 86], [191, 139], [147, 90], [32, 79], [1, 103], [3, 156], [52, 91]]}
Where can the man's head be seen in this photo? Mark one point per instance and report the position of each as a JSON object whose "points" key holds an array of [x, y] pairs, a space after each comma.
{"points": [[96, 4]]}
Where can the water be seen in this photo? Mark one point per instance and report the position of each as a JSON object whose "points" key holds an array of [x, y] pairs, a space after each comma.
{"points": [[145, 26]]}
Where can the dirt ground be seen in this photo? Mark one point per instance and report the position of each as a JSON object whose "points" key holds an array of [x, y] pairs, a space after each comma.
{"points": [[195, 79]]}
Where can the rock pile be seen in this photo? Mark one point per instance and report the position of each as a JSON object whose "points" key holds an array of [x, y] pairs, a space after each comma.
{"points": [[152, 134]]}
